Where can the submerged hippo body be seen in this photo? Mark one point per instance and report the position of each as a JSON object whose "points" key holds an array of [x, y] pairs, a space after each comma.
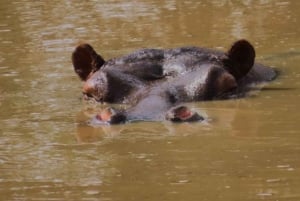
{"points": [[156, 82]]}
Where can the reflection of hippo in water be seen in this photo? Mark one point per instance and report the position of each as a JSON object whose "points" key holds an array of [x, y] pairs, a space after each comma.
{"points": [[156, 82]]}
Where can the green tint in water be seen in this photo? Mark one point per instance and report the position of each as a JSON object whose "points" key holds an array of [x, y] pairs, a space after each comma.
{"points": [[247, 150]]}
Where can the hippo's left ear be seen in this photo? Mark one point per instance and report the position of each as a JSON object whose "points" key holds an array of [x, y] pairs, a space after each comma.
{"points": [[240, 58], [86, 60]]}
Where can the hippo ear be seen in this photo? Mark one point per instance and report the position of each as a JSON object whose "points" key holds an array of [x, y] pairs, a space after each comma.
{"points": [[85, 60], [240, 58]]}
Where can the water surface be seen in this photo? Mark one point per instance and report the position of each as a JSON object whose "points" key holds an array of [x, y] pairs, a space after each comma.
{"points": [[248, 150]]}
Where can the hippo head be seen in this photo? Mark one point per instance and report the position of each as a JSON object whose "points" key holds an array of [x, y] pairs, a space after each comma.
{"points": [[206, 75]]}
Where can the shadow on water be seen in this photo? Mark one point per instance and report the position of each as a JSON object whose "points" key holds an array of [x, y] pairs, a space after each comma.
{"points": [[277, 88], [88, 132]]}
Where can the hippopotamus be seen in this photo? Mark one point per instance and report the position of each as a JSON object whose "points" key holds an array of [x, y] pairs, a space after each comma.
{"points": [[155, 83]]}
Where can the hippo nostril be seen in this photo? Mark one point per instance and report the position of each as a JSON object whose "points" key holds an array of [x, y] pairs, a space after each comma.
{"points": [[182, 113], [111, 116]]}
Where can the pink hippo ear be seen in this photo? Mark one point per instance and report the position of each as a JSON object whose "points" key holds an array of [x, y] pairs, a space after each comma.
{"points": [[85, 60], [240, 58]]}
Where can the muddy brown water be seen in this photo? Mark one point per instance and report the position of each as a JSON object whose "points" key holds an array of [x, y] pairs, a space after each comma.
{"points": [[248, 149]]}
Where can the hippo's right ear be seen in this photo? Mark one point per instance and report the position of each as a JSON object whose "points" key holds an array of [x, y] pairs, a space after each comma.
{"points": [[240, 58], [85, 60]]}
